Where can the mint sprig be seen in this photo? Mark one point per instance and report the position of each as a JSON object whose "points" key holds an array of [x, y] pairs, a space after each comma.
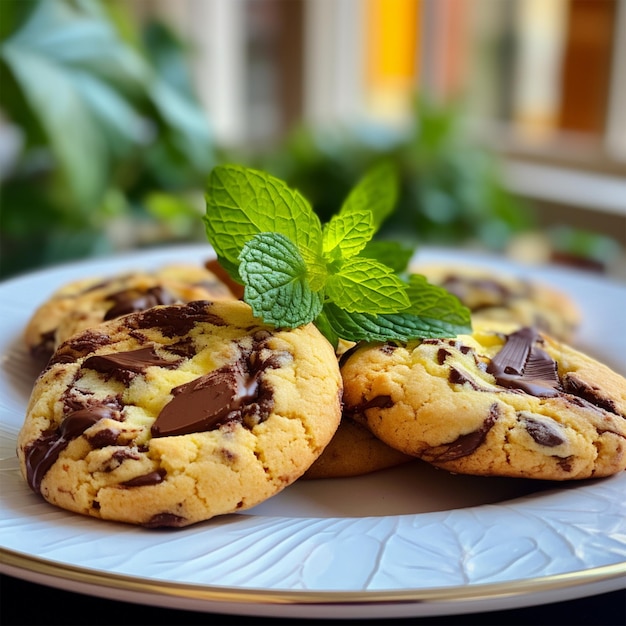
{"points": [[275, 278], [296, 270]]}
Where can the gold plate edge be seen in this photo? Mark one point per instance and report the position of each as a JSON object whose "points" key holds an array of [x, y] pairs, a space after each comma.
{"points": [[207, 593]]}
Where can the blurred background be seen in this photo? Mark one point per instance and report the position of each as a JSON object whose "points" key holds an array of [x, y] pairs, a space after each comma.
{"points": [[506, 119]]}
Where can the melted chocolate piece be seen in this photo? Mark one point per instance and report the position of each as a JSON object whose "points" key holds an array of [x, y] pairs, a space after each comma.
{"points": [[522, 365], [466, 444], [388, 348], [133, 300], [153, 478], [381, 402], [460, 378], [123, 365], [174, 321], [207, 402], [103, 438], [185, 348], [80, 346], [544, 433], [348, 353], [575, 386], [442, 355], [41, 455], [565, 464], [162, 520], [125, 453]]}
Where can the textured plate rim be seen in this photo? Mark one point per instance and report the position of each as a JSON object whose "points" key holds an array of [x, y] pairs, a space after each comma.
{"points": [[607, 578]]}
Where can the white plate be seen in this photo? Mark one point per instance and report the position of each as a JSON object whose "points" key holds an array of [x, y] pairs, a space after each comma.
{"points": [[407, 542]]}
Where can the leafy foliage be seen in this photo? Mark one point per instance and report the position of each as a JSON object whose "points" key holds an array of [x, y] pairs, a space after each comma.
{"points": [[450, 191], [297, 271], [109, 125]]}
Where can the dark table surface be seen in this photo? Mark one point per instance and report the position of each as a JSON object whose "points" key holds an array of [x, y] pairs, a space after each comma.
{"points": [[28, 603]]}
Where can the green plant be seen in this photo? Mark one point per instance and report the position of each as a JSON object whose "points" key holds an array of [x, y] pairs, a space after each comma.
{"points": [[451, 191], [111, 138], [296, 269]]}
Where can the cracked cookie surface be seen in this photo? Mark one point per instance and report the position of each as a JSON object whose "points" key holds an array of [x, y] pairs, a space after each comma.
{"points": [[519, 404], [86, 302], [173, 415]]}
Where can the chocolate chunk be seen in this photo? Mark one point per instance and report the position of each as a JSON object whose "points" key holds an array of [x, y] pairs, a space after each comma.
{"points": [[162, 520], [185, 348], [466, 444], [388, 348], [122, 365], [207, 402], [133, 300], [103, 438], [545, 433], [442, 355], [565, 464], [577, 387], [152, 478], [174, 321], [41, 455], [459, 378], [75, 348], [348, 353], [125, 453], [73, 401], [522, 364]]}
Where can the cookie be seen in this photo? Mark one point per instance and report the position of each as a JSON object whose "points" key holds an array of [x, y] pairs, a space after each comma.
{"points": [[86, 302], [354, 451], [520, 404], [496, 297], [176, 414]]}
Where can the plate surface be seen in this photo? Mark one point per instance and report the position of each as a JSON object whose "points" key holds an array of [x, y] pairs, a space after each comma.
{"points": [[406, 542]]}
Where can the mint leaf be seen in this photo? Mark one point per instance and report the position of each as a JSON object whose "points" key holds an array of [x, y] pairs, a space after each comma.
{"points": [[434, 303], [400, 327], [346, 234], [294, 272], [276, 285], [324, 326], [242, 202], [390, 253], [365, 285], [361, 214], [377, 192]]}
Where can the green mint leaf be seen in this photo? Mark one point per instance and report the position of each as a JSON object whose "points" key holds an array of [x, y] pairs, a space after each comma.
{"points": [[377, 192], [365, 285], [242, 202], [434, 303], [396, 327], [346, 234], [390, 253], [294, 272], [276, 285], [324, 326]]}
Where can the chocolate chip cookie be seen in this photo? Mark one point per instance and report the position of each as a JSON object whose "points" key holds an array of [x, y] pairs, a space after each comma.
{"points": [[179, 413], [86, 302], [497, 297], [520, 404], [354, 451]]}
